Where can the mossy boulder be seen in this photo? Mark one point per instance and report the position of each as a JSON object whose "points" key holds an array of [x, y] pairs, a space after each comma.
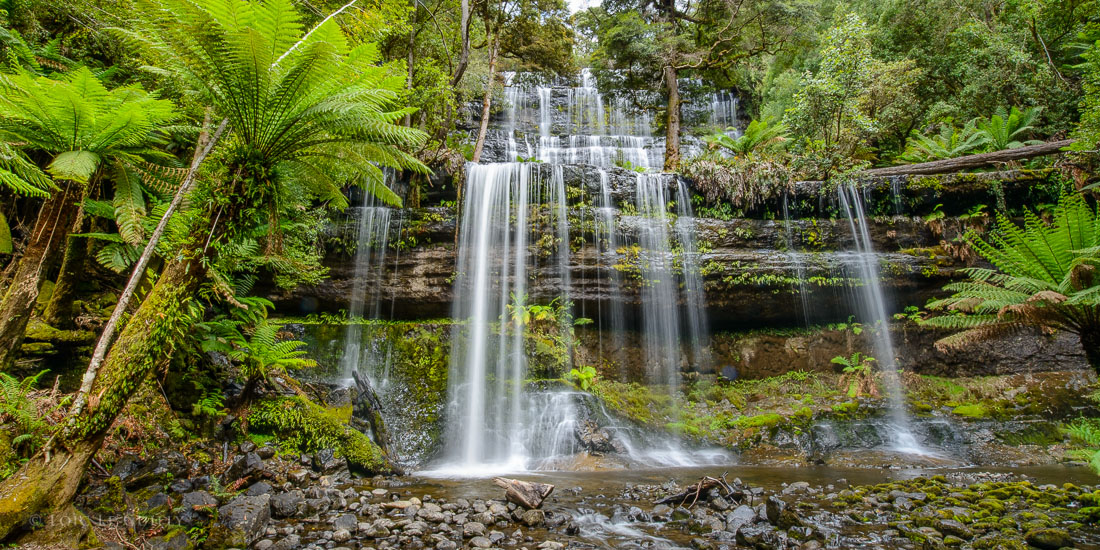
{"points": [[1049, 539], [304, 426]]}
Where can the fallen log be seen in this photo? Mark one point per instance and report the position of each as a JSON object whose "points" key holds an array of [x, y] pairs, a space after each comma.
{"points": [[697, 490], [967, 162], [523, 493]]}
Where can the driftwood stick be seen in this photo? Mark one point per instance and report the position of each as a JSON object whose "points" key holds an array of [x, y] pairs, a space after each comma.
{"points": [[526, 494], [697, 489]]}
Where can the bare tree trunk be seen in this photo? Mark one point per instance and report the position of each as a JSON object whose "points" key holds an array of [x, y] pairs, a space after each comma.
{"points": [[486, 103], [464, 55], [59, 311], [44, 248], [672, 125]]}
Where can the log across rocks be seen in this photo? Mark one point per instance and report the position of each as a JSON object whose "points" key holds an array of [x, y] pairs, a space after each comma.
{"points": [[523, 493]]}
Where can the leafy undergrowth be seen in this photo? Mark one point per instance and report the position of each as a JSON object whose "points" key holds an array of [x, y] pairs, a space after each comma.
{"points": [[1050, 394], [742, 413], [732, 414]]}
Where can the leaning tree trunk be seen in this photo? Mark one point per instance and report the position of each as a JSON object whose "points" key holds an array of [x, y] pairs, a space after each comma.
{"points": [[44, 248], [48, 482], [672, 125], [487, 102], [59, 311]]}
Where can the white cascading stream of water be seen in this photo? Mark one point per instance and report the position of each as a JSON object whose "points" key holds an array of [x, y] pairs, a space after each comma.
{"points": [[874, 310], [795, 257], [372, 240], [698, 328], [495, 422]]}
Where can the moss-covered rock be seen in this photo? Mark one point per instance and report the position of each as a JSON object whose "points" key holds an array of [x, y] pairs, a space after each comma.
{"points": [[304, 426]]}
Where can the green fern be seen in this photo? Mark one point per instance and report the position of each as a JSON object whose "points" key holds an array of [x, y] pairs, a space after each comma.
{"points": [[759, 135], [1046, 276], [312, 108], [1004, 127], [950, 142]]}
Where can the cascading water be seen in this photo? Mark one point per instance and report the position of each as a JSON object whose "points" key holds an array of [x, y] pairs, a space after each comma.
{"points": [[372, 239], [694, 299], [607, 245], [873, 309], [512, 213], [487, 405], [795, 257]]}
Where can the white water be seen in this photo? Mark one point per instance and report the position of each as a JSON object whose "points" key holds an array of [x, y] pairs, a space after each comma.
{"points": [[372, 239], [873, 311], [497, 422], [795, 257]]}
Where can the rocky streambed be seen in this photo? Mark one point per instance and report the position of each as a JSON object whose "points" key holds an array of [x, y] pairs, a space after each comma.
{"points": [[257, 498]]}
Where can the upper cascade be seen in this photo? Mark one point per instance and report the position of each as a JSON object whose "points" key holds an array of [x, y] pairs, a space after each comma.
{"points": [[567, 124]]}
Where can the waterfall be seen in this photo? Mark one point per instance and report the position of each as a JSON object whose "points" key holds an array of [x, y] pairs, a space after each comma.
{"points": [[607, 246], [514, 240], [372, 239], [660, 298], [795, 257], [873, 310], [488, 407], [576, 125], [698, 329]]}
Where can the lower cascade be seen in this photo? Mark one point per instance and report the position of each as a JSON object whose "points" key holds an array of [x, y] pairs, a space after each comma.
{"points": [[511, 291]]}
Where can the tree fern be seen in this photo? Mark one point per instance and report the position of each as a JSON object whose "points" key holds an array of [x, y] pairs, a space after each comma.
{"points": [[308, 105], [1047, 277]]}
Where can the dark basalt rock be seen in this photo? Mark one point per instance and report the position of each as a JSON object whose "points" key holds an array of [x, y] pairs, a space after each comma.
{"points": [[196, 507], [241, 522]]}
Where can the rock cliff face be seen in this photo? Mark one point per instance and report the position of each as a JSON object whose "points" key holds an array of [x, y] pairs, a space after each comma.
{"points": [[750, 277]]}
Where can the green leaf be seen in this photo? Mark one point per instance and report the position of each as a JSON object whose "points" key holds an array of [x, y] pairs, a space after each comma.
{"points": [[77, 166]]}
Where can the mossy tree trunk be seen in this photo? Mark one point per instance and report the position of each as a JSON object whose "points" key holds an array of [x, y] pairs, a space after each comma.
{"points": [[49, 481], [59, 311], [44, 248]]}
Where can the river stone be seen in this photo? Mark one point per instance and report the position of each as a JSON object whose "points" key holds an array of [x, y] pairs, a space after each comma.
{"points": [[480, 542], [773, 507], [244, 467], [180, 486], [661, 511], [341, 535], [176, 540], [346, 521], [680, 513], [290, 542], [258, 488], [473, 529], [956, 528], [285, 505], [1049, 539], [446, 545], [719, 504], [742, 515], [533, 518], [241, 522], [195, 507]]}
